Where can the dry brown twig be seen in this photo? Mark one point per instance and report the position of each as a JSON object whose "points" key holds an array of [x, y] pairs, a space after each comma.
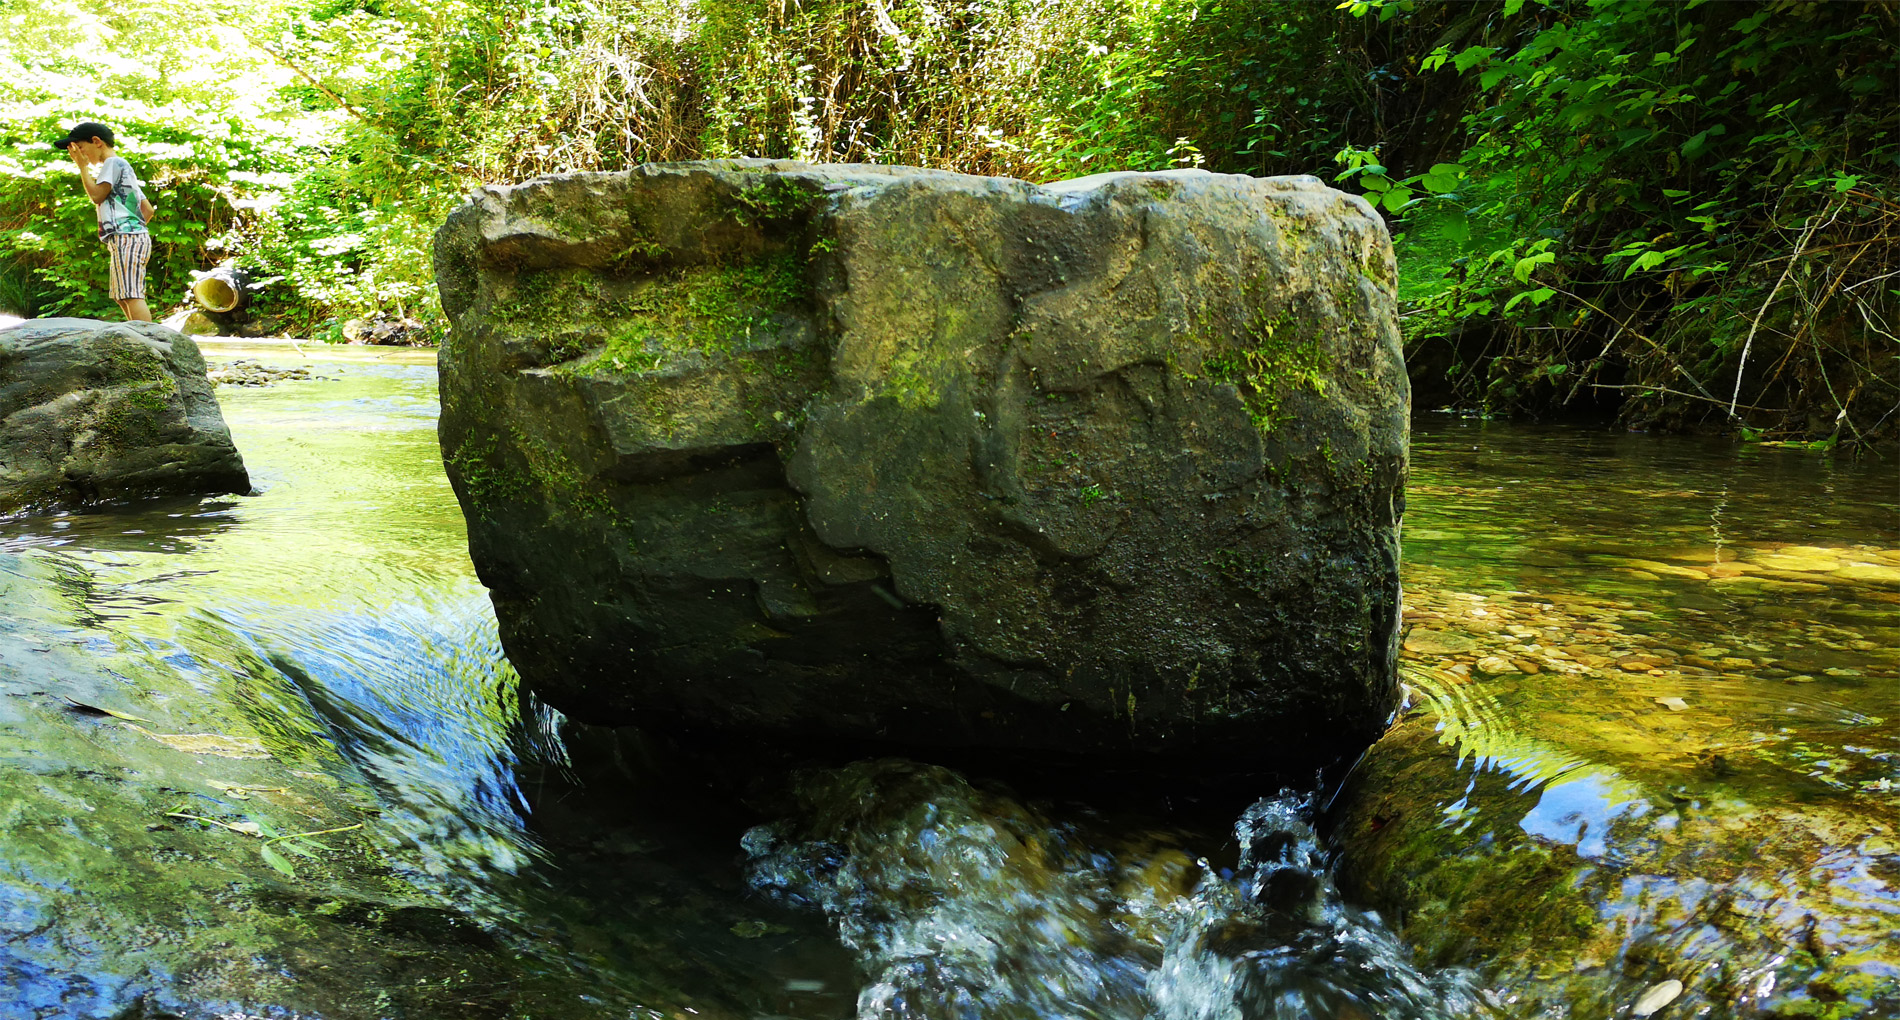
{"points": [[1813, 225]]}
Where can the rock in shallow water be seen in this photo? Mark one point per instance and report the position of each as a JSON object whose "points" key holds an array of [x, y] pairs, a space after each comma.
{"points": [[872, 453], [94, 411]]}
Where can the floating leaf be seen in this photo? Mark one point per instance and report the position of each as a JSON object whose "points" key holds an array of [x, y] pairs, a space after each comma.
{"points": [[247, 828], [277, 860], [296, 846], [236, 792], [80, 706], [208, 743]]}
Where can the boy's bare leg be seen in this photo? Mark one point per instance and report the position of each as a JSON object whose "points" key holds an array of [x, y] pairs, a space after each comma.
{"points": [[135, 310]]}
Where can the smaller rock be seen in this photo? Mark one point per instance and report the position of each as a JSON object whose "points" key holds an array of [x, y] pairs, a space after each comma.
{"points": [[1656, 567], [397, 332], [1439, 642], [1658, 996], [1799, 560], [1869, 572], [251, 372], [1496, 665], [93, 411]]}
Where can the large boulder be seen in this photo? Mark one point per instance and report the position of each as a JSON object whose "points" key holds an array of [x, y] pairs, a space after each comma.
{"points": [[873, 453], [94, 411]]}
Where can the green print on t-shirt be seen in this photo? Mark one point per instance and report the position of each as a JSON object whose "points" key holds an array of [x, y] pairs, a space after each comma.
{"points": [[119, 211]]}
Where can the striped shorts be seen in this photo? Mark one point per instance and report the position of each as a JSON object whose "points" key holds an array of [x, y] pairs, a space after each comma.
{"points": [[129, 254]]}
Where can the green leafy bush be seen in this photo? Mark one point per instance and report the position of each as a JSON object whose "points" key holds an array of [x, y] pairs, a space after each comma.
{"points": [[1674, 209], [1692, 205]]}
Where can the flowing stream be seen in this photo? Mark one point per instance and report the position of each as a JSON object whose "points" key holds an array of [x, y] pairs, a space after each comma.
{"points": [[191, 683]]}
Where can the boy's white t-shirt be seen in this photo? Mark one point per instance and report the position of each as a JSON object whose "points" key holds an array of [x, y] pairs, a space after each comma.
{"points": [[118, 212]]}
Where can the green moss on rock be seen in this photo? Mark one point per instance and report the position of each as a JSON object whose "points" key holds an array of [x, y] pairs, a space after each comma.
{"points": [[1277, 353], [708, 309]]}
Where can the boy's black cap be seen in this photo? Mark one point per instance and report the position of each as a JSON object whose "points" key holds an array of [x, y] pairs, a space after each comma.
{"points": [[85, 133]]}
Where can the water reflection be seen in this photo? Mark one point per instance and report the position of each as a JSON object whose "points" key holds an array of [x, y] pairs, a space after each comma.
{"points": [[1578, 812], [1653, 686], [333, 623], [1654, 723]]}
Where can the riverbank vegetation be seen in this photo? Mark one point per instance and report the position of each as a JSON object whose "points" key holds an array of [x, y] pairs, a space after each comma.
{"points": [[1685, 213]]}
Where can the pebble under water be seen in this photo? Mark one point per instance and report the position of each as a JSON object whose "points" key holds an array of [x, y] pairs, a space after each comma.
{"points": [[321, 656]]}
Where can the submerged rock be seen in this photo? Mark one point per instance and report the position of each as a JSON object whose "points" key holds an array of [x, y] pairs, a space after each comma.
{"points": [[94, 411], [964, 902], [1599, 861], [871, 453], [251, 372]]}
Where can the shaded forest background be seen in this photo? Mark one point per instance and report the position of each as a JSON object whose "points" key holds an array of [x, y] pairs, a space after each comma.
{"points": [[1682, 213]]}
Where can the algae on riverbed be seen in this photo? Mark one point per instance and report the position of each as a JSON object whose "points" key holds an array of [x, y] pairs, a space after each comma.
{"points": [[115, 902], [1653, 732], [332, 622]]}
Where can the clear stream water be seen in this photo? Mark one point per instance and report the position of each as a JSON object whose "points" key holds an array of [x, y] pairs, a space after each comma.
{"points": [[1563, 587]]}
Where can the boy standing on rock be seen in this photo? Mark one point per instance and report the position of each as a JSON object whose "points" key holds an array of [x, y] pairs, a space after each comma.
{"points": [[123, 210]]}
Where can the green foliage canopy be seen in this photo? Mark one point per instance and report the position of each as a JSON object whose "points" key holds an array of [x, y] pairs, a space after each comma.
{"points": [[1679, 206]]}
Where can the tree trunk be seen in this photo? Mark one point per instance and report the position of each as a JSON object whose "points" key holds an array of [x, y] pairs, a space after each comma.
{"points": [[223, 289]]}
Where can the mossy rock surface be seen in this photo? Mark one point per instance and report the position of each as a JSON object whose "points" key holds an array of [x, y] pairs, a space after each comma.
{"points": [[93, 411], [1106, 467]]}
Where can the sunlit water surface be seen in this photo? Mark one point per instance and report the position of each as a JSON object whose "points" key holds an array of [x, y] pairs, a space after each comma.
{"points": [[1681, 658], [337, 608]]}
